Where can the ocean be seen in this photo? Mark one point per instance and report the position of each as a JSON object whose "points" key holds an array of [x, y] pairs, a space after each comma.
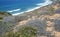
{"points": [[16, 7]]}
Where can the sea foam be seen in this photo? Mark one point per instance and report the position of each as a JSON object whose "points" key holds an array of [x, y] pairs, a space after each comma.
{"points": [[14, 10], [47, 2]]}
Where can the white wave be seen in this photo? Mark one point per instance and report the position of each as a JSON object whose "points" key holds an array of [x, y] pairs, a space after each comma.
{"points": [[14, 10], [25, 11], [32, 9], [17, 13], [47, 2]]}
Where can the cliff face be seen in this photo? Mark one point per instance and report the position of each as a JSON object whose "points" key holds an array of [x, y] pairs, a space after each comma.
{"points": [[45, 19]]}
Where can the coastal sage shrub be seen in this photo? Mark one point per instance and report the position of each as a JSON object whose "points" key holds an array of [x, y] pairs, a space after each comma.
{"points": [[51, 11], [9, 34], [58, 1], [1, 18], [5, 13], [57, 24], [4, 27], [26, 31]]}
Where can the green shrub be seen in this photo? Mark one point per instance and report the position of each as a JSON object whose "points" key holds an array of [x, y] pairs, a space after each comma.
{"points": [[5, 13], [26, 31], [1, 18], [51, 11]]}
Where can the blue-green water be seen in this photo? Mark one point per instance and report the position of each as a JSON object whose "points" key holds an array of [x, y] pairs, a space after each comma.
{"points": [[15, 6]]}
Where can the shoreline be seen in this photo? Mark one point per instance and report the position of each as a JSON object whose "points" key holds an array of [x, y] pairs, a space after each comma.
{"points": [[39, 5]]}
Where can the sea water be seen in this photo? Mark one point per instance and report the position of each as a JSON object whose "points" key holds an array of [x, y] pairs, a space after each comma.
{"points": [[16, 7]]}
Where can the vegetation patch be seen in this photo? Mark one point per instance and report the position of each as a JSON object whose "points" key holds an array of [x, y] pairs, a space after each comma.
{"points": [[0, 17], [5, 13], [26, 31]]}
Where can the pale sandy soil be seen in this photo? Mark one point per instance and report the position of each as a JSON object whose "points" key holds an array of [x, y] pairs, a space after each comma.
{"points": [[50, 24]]}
